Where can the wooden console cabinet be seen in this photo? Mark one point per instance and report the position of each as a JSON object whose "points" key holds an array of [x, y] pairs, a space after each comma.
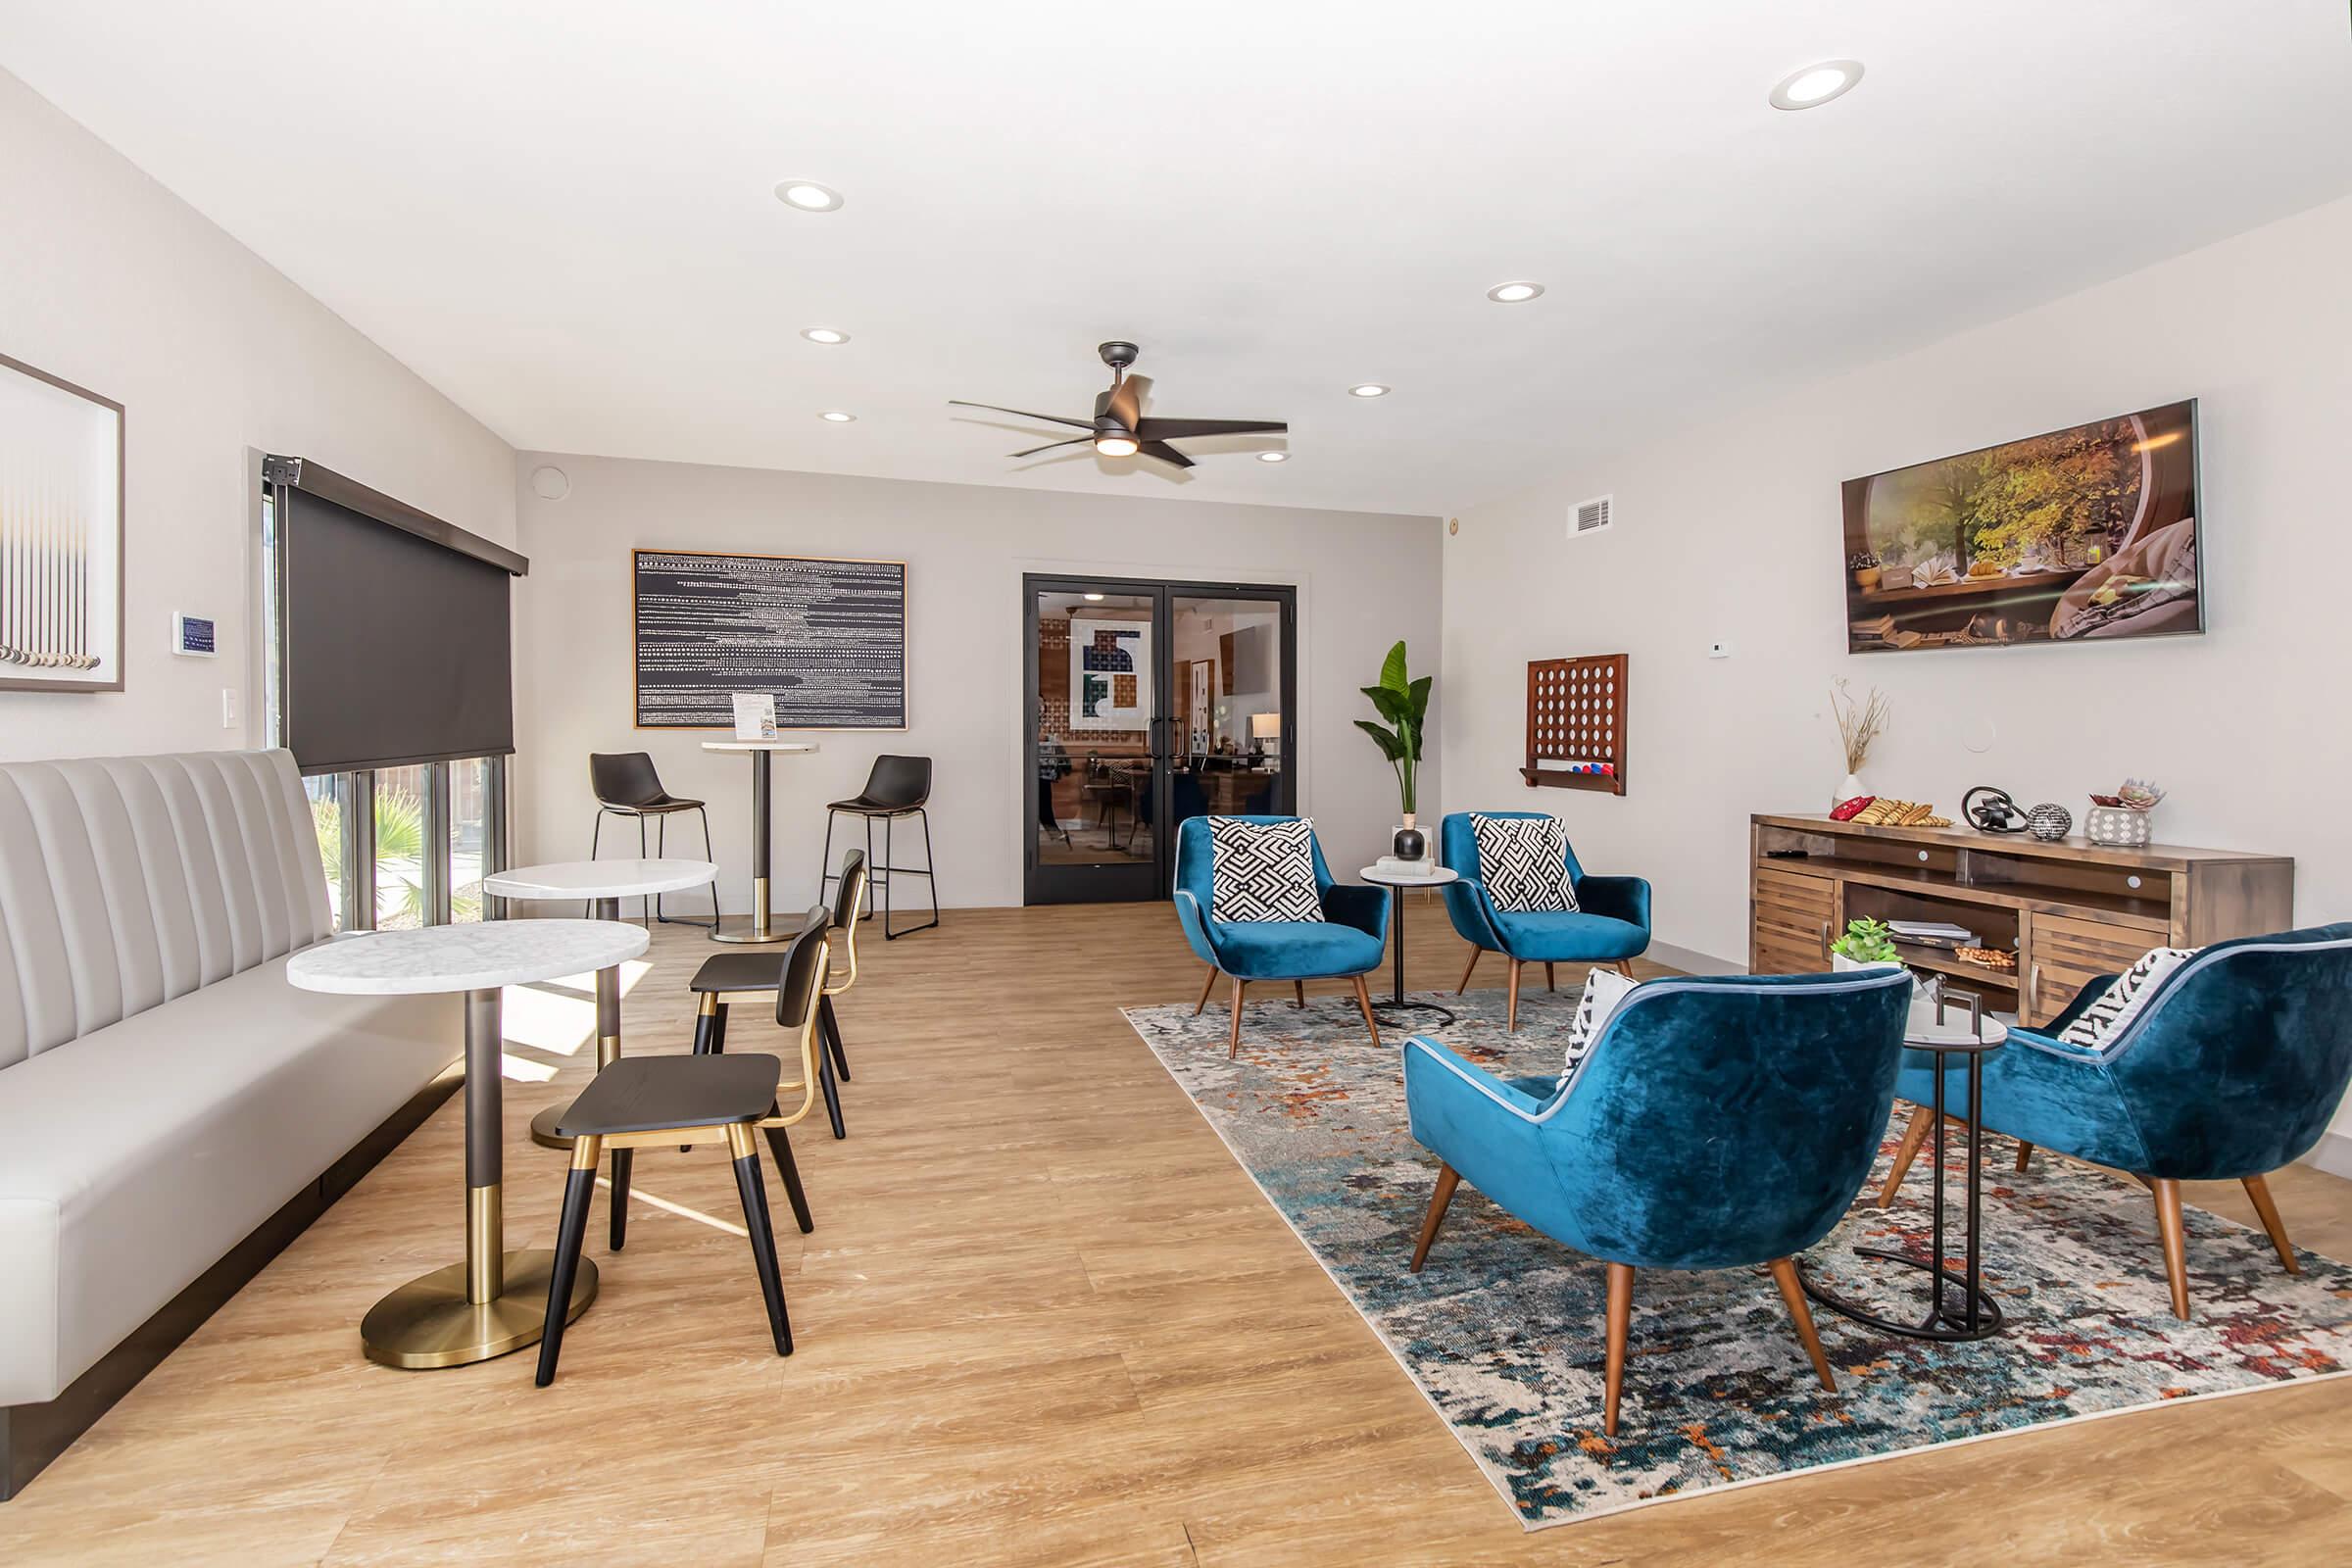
{"points": [[2073, 908]]}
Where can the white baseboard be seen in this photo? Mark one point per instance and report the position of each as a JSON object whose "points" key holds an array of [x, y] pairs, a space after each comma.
{"points": [[2334, 1154], [1689, 960]]}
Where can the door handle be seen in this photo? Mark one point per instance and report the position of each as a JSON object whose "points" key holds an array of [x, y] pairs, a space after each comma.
{"points": [[1825, 941]]}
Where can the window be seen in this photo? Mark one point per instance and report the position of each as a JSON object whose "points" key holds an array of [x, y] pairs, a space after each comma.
{"points": [[403, 898], [469, 835], [326, 794]]}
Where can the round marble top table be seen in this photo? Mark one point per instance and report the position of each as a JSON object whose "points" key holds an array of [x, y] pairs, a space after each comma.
{"points": [[1436, 877], [496, 1301], [605, 883], [759, 752]]}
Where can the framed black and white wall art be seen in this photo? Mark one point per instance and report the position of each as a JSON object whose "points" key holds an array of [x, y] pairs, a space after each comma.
{"points": [[826, 638], [61, 535]]}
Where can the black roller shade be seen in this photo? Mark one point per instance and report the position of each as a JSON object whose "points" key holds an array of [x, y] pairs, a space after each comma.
{"points": [[396, 628]]}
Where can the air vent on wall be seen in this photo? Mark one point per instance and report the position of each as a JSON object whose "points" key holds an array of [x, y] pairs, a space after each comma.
{"points": [[1589, 516]]}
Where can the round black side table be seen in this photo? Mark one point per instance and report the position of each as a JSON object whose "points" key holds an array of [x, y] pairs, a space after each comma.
{"points": [[1437, 878], [1976, 1314]]}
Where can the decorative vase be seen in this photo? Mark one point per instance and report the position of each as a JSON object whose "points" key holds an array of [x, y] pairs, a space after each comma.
{"points": [[2116, 825], [1849, 788], [1410, 844], [2049, 821]]}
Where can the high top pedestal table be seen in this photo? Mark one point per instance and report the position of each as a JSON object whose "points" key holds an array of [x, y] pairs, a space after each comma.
{"points": [[496, 1301], [1438, 877], [605, 883], [761, 751]]}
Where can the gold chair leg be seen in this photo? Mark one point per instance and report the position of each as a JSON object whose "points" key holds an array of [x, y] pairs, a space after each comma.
{"points": [[2176, 1241], [1621, 1317], [2025, 1156], [1447, 1180], [1363, 1000], [1511, 1027], [1475, 954], [2259, 1189], [1206, 986], [1921, 1123], [1233, 1041], [1784, 1274], [1297, 993]]}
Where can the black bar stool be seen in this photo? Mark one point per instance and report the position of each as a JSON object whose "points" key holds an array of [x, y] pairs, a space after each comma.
{"points": [[640, 1102], [625, 785], [898, 786], [723, 975]]}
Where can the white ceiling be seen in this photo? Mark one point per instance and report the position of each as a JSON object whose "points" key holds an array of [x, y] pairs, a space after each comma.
{"points": [[560, 214]]}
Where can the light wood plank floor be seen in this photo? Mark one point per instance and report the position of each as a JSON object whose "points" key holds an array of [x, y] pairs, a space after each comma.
{"points": [[1044, 1318]]}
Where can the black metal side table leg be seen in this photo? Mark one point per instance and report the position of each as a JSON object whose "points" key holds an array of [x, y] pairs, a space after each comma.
{"points": [[1395, 1001]]}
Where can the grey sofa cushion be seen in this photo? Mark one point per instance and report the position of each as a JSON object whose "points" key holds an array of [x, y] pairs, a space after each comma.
{"points": [[127, 881]]}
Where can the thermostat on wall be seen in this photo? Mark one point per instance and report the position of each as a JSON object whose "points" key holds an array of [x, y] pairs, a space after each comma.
{"points": [[192, 635]]}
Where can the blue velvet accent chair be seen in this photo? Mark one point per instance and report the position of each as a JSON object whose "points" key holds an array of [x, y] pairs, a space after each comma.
{"points": [[1610, 926], [1715, 1123], [2230, 1072], [1347, 943]]}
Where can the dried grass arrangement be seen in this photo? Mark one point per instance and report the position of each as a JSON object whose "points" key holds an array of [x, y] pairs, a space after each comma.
{"points": [[1858, 723]]}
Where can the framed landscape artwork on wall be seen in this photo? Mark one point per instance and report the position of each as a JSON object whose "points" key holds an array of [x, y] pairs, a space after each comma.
{"points": [[61, 535]]}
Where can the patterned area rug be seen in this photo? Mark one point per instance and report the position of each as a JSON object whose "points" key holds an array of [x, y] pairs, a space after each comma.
{"points": [[1502, 1330]]}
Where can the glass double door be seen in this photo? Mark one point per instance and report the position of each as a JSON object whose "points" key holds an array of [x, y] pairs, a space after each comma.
{"points": [[1150, 702]]}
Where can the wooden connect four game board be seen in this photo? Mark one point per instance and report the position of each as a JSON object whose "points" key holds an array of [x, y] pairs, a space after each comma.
{"points": [[1576, 723]]}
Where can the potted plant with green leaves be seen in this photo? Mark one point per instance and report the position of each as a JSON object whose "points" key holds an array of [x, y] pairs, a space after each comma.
{"points": [[1865, 944], [1404, 704]]}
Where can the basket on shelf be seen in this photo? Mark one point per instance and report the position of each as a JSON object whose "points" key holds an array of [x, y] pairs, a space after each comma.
{"points": [[2116, 826]]}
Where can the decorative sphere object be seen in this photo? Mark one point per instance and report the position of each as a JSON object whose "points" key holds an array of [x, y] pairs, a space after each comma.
{"points": [[2049, 821], [1410, 844]]}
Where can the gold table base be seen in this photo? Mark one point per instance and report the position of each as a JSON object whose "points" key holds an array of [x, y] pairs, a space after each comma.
{"points": [[428, 1322]]}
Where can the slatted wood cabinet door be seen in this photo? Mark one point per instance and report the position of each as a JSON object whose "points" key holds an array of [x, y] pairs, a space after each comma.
{"points": [[1792, 918], [2063, 954]]}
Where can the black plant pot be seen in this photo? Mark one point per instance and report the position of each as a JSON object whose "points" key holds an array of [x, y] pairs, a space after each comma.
{"points": [[1410, 844]]}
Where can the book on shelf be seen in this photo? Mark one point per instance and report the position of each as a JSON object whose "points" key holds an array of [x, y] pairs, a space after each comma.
{"points": [[1933, 933]]}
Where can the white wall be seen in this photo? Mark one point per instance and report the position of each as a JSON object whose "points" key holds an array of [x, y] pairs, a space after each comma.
{"points": [[111, 282], [1731, 529], [1363, 579]]}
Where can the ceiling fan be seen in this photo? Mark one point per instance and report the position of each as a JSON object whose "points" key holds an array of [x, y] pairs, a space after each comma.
{"points": [[1120, 429]]}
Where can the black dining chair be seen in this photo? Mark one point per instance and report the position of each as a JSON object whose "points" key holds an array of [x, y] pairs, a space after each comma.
{"points": [[644, 1102], [897, 787], [726, 976], [625, 785]]}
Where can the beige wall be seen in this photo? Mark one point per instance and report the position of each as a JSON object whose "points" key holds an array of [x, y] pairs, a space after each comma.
{"points": [[1363, 580], [1729, 530], [109, 282]]}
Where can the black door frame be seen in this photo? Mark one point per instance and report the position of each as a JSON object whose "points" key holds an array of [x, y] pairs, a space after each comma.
{"points": [[1144, 879]]}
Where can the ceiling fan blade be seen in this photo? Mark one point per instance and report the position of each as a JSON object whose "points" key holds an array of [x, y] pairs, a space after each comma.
{"points": [[1165, 453], [1173, 430], [998, 408], [1126, 402], [1074, 441]]}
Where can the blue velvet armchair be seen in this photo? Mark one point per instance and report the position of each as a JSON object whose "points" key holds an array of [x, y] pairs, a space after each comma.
{"points": [[1610, 926], [1347, 943], [2231, 1071], [1715, 1123]]}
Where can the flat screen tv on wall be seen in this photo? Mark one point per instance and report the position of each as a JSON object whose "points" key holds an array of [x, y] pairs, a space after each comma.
{"points": [[2082, 535]]}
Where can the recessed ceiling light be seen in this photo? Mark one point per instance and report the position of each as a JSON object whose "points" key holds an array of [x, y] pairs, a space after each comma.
{"points": [[824, 334], [1367, 389], [1115, 446], [1273, 456], [1514, 293], [808, 195], [1817, 85], [836, 416], [1093, 598]]}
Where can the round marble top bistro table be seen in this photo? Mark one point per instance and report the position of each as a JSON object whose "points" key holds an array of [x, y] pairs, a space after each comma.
{"points": [[604, 883], [1438, 877], [1946, 1028], [759, 752], [496, 1301]]}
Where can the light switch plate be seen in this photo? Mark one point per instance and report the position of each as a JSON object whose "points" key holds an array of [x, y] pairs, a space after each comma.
{"points": [[228, 708]]}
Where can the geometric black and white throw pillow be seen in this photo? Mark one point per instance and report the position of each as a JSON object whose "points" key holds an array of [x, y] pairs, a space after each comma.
{"points": [[1604, 988], [1262, 870], [1524, 862], [2125, 998]]}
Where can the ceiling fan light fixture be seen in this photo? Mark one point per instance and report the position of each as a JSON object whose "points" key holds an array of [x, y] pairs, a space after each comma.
{"points": [[1273, 456], [1116, 446], [1368, 389], [808, 195], [1517, 292], [1815, 85], [824, 334], [836, 416]]}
